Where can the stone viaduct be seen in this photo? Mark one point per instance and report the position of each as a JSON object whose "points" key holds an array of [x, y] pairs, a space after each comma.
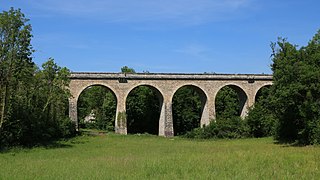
{"points": [[165, 85]]}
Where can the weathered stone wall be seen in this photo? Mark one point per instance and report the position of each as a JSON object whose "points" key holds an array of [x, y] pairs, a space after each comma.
{"points": [[166, 85]]}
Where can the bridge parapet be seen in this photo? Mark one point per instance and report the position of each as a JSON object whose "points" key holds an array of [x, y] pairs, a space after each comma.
{"points": [[170, 76]]}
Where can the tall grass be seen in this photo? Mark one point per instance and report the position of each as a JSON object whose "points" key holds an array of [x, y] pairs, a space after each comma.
{"points": [[150, 157]]}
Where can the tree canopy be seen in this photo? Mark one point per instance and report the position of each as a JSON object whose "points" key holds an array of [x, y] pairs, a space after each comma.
{"points": [[296, 90], [33, 101]]}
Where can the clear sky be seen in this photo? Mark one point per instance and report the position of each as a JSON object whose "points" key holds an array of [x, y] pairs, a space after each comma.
{"points": [[177, 36]]}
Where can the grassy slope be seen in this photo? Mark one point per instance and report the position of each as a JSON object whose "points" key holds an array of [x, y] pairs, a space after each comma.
{"points": [[145, 157]]}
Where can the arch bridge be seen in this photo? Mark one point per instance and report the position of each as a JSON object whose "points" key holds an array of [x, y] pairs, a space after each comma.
{"points": [[165, 85]]}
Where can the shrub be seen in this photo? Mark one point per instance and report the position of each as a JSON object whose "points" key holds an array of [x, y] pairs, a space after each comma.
{"points": [[260, 121], [230, 128]]}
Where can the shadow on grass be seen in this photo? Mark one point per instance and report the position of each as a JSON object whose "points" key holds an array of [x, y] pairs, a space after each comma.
{"points": [[53, 144], [289, 143]]}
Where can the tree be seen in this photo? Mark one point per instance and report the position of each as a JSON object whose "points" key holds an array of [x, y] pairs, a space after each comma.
{"points": [[228, 123], [50, 96], [126, 69], [33, 101], [296, 91], [227, 103], [186, 110], [260, 118], [101, 102], [16, 66], [143, 111]]}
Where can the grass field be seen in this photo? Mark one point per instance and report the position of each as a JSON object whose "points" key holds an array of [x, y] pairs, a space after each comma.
{"points": [[150, 157]]}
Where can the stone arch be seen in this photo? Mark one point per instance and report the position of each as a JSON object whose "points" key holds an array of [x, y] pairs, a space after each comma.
{"points": [[204, 116], [197, 88], [83, 88], [258, 90], [242, 96], [159, 96], [88, 86], [76, 88], [154, 88]]}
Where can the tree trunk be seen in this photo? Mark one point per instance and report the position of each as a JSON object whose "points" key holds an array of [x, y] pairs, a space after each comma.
{"points": [[4, 104]]}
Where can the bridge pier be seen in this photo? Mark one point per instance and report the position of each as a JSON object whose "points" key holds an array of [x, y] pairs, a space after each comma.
{"points": [[246, 103], [166, 120], [208, 112], [121, 117], [73, 112]]}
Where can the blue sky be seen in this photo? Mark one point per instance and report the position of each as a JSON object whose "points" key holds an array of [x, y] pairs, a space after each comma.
{"points": [[176, 36]]}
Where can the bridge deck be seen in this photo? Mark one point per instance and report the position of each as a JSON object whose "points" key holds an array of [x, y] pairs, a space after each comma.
{"points": [[170, 76]]}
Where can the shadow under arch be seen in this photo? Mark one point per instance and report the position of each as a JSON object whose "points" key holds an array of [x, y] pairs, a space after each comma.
{"points": [[242, 98], [96, 107], [263, 91], [143, 108], [188, 104]]}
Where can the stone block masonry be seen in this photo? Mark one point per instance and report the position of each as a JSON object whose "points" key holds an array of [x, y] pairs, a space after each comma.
{"points": [[166, 84]]}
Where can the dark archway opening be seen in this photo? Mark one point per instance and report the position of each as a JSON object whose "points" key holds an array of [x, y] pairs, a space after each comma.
{"points": [[97, 108], [229, 102], [187, 107], [143, 106]]}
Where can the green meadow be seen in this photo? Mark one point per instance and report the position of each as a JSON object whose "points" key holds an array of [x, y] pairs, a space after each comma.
{"points": [[150, 157]]}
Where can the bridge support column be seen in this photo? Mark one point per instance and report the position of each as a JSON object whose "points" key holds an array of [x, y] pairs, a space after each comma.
{"points": [[121, 117], [246, 103], [208, 113], [205, 112], [166, 120], [73, 112]]}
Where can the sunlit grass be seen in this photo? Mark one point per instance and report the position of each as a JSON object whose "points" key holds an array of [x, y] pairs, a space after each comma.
{"points": [[151, 157]]}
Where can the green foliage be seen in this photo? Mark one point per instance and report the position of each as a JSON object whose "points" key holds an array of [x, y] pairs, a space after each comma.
{"points": [[101, 102], [143, 108], [39, 111], [260, 118], [227, 103], [16, 66], [296, 91], [33, 102], [143, 111], [126, 69], [230, 128], [187, 110], [228, 123], [260, 121]]}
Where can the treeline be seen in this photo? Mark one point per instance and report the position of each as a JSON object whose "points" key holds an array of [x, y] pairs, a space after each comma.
{"points": [[33, 101]]}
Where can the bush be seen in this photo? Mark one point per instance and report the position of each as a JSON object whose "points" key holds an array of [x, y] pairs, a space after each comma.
{"points": [[66, 128], [230, 128], [260, 121]]}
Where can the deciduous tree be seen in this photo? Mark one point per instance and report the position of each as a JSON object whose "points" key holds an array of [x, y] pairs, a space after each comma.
{"points": [[296, 90]]}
